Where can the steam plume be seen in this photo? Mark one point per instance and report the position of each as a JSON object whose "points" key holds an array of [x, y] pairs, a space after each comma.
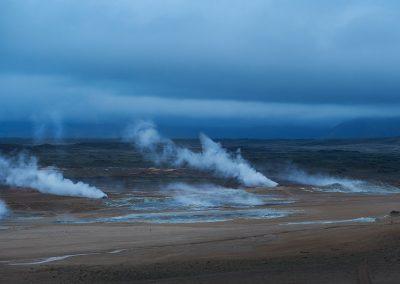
{"points": [[25, 172], [48, 126], [337, 184], [212, 157], [3, 209], [209, 195]]}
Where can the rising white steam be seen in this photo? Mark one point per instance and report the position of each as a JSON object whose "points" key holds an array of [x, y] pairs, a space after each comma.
{"points": [[3, 209], [212, 157], [24, 172], [209, 195], [336, 184]]}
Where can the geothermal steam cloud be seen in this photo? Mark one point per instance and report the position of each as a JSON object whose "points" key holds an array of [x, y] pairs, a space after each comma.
{"points": [[3, 209], [24, 172], [209, 195], [336, 184], [212, 157]]}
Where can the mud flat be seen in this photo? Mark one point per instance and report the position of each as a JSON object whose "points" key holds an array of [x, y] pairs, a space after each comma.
{"points": [[329, 237]]}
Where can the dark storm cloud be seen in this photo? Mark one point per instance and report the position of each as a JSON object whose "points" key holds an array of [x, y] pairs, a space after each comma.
{"points": [[91, 60]]}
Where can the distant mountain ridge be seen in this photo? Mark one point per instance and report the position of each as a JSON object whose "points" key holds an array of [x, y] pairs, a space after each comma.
{"points": [[356, 128], [367, 128]]}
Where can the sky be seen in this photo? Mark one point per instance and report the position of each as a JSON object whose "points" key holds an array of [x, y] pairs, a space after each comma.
{"points": [[270, 65]]}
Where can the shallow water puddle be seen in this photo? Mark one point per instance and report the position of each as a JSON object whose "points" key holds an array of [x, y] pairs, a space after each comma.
{"points": [[176, 217], [61, 257], [355, 220]]}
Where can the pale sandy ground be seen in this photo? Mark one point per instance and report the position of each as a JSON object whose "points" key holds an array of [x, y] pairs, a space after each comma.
{"points": [[241, 251]]}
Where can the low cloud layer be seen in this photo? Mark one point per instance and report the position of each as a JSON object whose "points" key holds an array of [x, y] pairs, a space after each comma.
{"points": [[54, 100]]}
